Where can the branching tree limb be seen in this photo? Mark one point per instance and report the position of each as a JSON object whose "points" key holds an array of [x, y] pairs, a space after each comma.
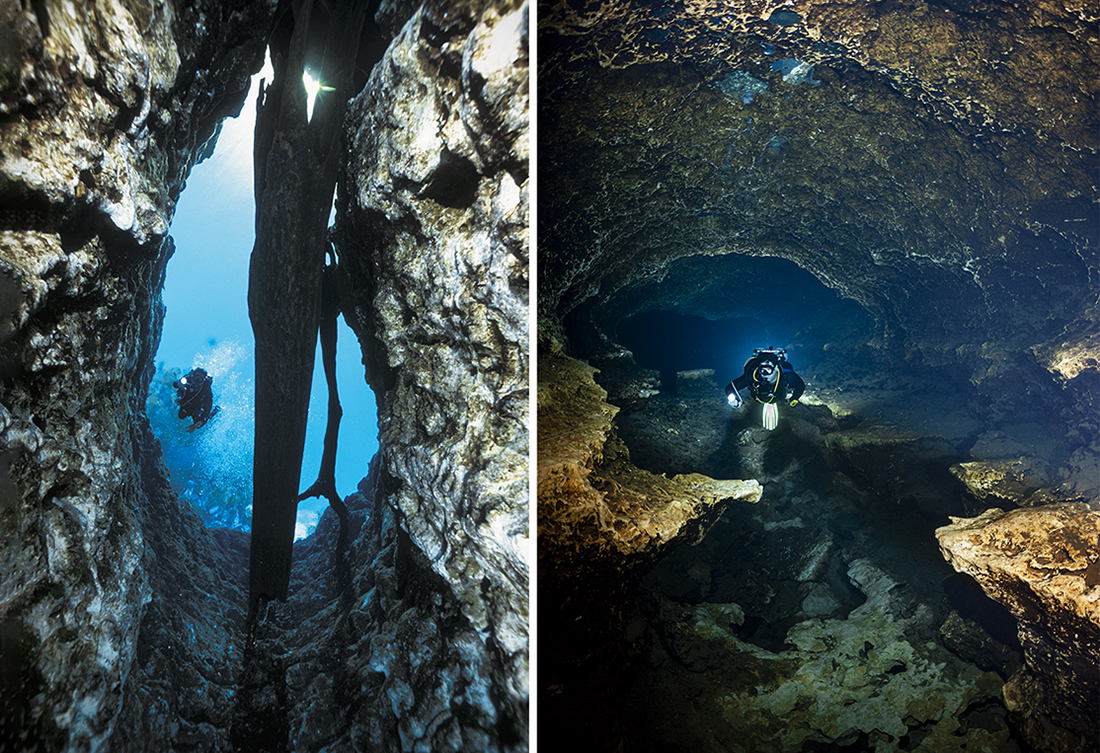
{"points": [[325, 485]]}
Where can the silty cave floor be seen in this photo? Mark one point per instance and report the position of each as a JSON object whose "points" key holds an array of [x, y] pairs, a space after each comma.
{"points": [[823, 617]]}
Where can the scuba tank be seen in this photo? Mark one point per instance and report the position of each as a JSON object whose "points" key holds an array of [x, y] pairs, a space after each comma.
{"points": [[770, 412]]}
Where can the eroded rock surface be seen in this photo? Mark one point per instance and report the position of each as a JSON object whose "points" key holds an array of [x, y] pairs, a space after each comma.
{"points": [[105, 109], [895, 183], [433, 232], [868, 676], [1043, 564], [183, 685]]}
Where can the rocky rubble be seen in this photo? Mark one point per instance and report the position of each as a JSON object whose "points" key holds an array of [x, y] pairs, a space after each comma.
{"points": [[850, 488], [868, 677], [685, 173]]}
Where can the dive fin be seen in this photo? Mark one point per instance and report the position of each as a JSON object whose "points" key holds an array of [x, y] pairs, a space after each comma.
{"points": [[771, 416], [202, 423]]}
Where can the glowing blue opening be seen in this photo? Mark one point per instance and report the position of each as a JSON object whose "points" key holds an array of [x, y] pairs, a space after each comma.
{"points": [[207, 325]]}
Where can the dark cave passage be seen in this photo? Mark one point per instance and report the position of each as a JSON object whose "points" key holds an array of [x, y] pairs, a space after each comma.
{"points": [[837, 566], [712, 311], [700, 201], [669, 342], [666, 350]]}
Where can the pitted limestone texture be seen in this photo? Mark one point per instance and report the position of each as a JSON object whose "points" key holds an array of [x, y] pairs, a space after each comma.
{"points": [[1041, 563], [795, 72], [740, 86], [974, 287], [125, 615], [784, 18], [610, 518], [105, 109], [432, 226], [868, 676]]}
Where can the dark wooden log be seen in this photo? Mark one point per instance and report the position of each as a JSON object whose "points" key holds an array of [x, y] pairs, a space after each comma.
{"points": [[296, 164]]}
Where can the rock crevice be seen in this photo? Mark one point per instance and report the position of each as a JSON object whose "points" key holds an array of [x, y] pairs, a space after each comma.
{"points": [[123, 617]]}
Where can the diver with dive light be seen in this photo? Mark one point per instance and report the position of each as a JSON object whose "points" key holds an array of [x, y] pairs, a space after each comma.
{"points": [[769, 378], [195, 398]]}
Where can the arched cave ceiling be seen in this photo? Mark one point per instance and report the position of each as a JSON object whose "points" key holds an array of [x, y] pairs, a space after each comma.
{"points": [[943, 174]]}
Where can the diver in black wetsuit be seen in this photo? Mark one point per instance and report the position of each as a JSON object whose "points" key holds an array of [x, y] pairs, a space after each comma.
{"points": [[195, 397], [770, 379]]}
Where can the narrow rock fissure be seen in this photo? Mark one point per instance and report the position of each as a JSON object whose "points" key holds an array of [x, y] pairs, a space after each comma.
{"points": [[126, 601]]}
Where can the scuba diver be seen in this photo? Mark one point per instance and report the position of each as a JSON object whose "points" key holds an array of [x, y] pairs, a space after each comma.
{"points": [[195, 397], [770, 378]]}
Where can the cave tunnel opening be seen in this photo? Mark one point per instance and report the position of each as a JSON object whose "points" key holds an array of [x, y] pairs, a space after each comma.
{"points": [[855, 481], [689, 335], [207, 325], [693, 332], [669, 342], [712, 312], [794, 612]]}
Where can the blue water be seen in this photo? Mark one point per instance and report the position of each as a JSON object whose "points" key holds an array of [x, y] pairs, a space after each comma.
{"points": [[206, 324]]}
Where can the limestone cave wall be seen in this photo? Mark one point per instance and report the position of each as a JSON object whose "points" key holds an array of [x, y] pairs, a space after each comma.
{"points": [[124, 619], [432, 232], [106, 108], [932, 166]]}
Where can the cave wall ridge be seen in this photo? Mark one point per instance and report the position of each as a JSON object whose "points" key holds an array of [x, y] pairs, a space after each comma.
{"points": [[105, 108], [964, 227], [432, 232]]}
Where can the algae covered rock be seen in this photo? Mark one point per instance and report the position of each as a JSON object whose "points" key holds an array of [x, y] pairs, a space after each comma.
{"points": [[868, 677]]}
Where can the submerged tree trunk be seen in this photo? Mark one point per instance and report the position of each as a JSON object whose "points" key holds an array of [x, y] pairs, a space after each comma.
{"points": [[296, 166]]}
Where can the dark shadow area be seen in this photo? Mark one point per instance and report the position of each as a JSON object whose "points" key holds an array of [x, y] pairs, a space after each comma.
{"points": [[788, 451], [669, 342], [712, 311], [970, 601]]}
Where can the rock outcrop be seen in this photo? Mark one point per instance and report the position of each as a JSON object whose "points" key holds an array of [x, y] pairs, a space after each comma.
{"points": [[1043, 564], [867, 677], [603, 522], [105, 109]]}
